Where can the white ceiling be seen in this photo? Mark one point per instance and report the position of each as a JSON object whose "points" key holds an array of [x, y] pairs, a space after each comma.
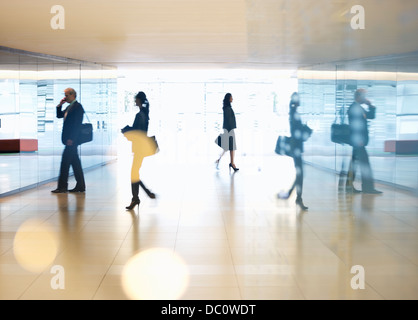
{"points": [[211, 33]]}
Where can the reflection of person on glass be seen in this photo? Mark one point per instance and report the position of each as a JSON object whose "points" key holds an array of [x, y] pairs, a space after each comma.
{"points": [[73, 119], [141, 147], [359, 136], [297, 129], [228, 142]]}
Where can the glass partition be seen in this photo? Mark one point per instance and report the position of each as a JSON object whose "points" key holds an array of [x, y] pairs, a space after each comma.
{"points": [[186, 113], [186, 110], [31, 85], [9, 117], [327, 91]]}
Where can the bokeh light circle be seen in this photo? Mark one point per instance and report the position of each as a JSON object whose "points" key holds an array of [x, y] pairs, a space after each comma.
{"points": [[35, 245], [155, 274]]}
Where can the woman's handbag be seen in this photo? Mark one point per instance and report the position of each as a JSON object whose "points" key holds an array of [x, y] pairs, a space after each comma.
{"points": [[225, 141], [306, 132], [340, 133], [218, 140], [284, 146], [141, 143], [157, 147]]}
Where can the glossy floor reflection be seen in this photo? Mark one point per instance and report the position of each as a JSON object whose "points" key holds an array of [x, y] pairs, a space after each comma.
{"points": [[234, 238]]}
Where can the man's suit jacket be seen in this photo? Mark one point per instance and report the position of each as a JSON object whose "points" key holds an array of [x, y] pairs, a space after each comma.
{"points": [[357, 118], [72, 122]]}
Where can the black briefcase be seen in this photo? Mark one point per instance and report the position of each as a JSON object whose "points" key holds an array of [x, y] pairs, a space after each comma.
{"points": [[340, 133], [86, 133]]}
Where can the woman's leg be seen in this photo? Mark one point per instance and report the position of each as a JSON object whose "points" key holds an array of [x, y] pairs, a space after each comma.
{"points": [[232, 148], [220, 156], [135, 179], [219, 159], [299, 176], [135, 191], [299, 182], [147, 191], [232, 156]]}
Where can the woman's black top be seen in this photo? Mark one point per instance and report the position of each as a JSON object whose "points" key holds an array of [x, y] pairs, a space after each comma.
{"points": [[140, 123], [229, 118], [296, 129]]}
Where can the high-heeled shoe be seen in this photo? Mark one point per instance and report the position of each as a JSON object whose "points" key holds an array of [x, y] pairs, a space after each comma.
{"points": [[147, 191], [234, 168], [299, 202], [133, 204], [283, 195]]}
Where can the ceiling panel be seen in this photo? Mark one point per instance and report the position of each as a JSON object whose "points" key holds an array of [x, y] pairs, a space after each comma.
{"points": [[221, 33]]}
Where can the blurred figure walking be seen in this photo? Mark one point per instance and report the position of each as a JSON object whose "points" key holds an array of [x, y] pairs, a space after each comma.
{"points": [[142, 146], [359, 137], [73, 119], [299, 134], [228, 141]]}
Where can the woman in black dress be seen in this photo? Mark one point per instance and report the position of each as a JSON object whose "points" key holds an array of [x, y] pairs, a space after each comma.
{"points": [[228, 142], [140, 145]]}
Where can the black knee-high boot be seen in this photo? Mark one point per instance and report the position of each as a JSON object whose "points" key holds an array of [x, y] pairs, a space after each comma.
{"points": [[135, 198], [147, 191], [135, 191]]}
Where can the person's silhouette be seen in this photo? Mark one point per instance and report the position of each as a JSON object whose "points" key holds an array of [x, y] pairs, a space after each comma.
{"points": [[228, 142], [359, 138], [142, 146], [73, 119], [299, 133]]}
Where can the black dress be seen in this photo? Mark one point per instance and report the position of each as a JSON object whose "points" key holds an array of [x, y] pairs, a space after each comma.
{"points": [[228, 142], [296, 130]]}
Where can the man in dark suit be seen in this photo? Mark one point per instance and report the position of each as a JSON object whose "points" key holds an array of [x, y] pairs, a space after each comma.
{"points": [[73, 119], [359, 136]]}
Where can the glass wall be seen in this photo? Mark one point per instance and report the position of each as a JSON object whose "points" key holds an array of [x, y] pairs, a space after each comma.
{"points": [[186, 114], [186, 111], [31, 86], [326, 93]]}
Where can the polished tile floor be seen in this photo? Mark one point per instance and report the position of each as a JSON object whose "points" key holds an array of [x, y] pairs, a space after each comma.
{"points": [[209, 235]]}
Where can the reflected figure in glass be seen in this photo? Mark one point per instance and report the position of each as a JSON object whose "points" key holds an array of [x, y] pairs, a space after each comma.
{"points": [[359, 137]]}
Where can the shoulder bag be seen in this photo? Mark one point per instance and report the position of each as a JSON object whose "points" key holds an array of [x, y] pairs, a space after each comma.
{"points": [[284, 146], [86, 132], [340, 132]]}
